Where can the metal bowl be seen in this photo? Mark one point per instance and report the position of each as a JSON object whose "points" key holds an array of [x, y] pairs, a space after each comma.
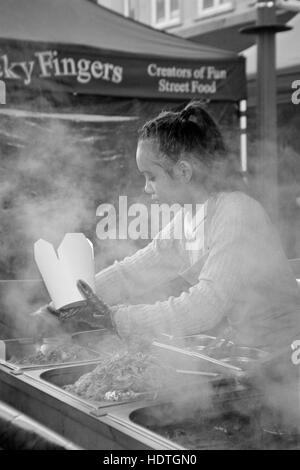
{"points": [[198, 342], [240, 356], [195, 342]]}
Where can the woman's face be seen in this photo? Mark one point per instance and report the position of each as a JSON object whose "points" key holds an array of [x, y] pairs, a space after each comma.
{"points": [[161, 186]]}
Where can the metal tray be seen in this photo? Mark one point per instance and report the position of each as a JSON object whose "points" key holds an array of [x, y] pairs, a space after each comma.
{"points": [[86, 425], [150, 416], [113, 414], [58, 377], [118, 414], [202, 430], [122, 426], [235, 424], [23, 347]]}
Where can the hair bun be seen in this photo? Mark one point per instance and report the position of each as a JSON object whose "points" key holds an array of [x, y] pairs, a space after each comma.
{"points": [[188, 114]]}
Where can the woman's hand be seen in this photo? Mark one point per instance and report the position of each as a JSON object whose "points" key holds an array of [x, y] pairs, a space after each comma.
{"points": [[93, 311]]}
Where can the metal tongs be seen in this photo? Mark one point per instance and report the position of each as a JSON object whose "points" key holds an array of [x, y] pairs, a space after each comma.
{"points": [[221, 365]]}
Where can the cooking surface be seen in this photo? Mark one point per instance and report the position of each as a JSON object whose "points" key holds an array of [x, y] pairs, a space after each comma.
{"points": [[196, 412], [224, 427], [97, 344], [226, 432]]}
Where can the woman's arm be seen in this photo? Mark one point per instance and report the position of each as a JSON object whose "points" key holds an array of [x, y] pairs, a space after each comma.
{"points": [[149, 268], [233, 250]]}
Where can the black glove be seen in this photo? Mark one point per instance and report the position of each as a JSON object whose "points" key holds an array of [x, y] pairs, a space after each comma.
{"points": [[93, 311]]}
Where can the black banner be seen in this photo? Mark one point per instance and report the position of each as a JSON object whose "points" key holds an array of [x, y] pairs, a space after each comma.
{"points": [[91, 71]]}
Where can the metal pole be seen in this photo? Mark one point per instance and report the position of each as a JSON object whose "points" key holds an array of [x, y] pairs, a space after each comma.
{"points": [[267, 171], [267, 109]]}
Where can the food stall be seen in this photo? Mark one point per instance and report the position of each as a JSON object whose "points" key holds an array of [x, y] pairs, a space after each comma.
{"points": [[87, 386], [173, 394]]}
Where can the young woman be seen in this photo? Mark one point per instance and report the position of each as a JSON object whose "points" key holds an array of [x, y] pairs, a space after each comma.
{"points": [[237, 278]]}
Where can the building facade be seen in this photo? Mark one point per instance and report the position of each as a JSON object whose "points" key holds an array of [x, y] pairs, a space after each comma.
{"points": [[212, 22]]}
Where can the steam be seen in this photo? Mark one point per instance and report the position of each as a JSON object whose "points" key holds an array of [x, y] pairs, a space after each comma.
{"points": [[49, 172], [49, 186], [53, 176]]}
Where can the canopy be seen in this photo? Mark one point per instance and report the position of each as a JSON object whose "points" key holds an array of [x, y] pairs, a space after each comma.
{"points": [[287, 62], [79, 47]]}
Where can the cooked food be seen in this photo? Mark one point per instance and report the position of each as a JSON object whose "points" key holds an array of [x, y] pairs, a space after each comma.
{"points": [[55, 354], [222, 432], [121, 376]]}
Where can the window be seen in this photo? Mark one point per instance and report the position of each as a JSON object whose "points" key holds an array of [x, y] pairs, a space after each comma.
{"points": [[165, 12], [129, 8], [211, 7]]}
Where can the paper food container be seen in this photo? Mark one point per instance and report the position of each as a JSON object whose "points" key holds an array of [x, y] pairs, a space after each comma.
{"points": [[60, 271]]}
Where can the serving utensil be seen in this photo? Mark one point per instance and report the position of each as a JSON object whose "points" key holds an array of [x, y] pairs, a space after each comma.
{"points": [[196, 355], [199, 341], [197, 372]]}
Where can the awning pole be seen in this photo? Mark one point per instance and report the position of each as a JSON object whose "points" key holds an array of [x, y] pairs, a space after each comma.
{"points": [[267, 109], [266, 28]]}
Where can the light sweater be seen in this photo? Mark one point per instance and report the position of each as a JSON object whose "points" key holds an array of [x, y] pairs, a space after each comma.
{"points": [[237, 274]]}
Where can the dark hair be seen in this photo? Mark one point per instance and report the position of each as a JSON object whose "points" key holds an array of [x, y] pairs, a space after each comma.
{"points": [[190, 131]]}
